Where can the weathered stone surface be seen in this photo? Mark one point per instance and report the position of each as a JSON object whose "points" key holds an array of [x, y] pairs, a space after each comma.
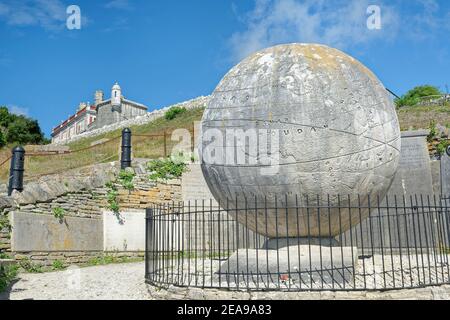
{"points": [[445, 173], [414, 166], [39, 232], [303, 261], [338, 134], [53, 186], [82, 194], [6, 202], [413, 180], [279, 243], [435, 166], [194, 186]]}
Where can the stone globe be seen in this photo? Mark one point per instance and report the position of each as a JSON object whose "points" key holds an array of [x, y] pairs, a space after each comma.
{"points": [[294, 131]]}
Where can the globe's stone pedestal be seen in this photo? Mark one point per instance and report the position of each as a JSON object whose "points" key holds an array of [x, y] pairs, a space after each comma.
{"points": [[332, 265], [280, 243]]}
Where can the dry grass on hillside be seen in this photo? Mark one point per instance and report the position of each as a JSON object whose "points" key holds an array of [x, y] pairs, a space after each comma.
{"points": [[413, 118], [148, 141]]}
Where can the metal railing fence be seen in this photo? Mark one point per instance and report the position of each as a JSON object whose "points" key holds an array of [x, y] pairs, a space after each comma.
{"points": [[379, 244]]}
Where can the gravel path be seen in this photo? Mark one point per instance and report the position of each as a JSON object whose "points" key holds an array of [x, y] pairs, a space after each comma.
{"points": [[126, 281], [111, 282]]}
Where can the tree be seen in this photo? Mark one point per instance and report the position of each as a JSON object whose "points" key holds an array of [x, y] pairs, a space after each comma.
{"points": [[2, 139], [412, 97], [5, 117], [19, 129]]}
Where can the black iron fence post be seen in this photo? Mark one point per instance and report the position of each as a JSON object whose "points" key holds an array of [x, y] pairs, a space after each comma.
{"points": [[148, 241], [125, 160], [16, 170]]}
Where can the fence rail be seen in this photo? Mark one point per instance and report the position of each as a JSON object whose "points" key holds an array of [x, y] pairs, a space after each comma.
{"points": [[435, 100], [38, 164], [401, 242]]}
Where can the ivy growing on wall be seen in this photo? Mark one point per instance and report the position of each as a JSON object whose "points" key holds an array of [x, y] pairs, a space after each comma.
{"points": [[165, 169], [5, 225], [59, 213], [123, 179]]}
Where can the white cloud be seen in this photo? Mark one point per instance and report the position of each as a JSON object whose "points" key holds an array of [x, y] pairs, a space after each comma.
{"points": [[119, 4], [18, 110], [340, 23], [428, 21], [48, 14]]}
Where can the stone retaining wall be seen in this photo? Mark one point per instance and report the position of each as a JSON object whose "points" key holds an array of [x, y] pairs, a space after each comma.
{"points": [[46, 259], [82, 195]]}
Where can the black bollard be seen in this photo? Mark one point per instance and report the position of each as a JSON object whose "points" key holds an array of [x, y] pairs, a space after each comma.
{"points": [[16, 171], [125, 161]]}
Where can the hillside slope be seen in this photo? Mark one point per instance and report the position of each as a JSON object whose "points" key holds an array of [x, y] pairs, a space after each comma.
{"points": [[148, 141]]}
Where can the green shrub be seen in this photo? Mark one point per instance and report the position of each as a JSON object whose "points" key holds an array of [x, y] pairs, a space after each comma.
{"points": [[173, 112], [126, 179], [111, 197], [58, 265], [433, 131], [165, 169], [7, 275], [4, 255], [109, 259], [3, 141], [412, 97], [5, 224], [30, 267], [59, 213], [442, 146]]}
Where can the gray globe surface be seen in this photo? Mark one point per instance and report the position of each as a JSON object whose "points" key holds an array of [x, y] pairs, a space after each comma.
{"points": [[338, 135]]}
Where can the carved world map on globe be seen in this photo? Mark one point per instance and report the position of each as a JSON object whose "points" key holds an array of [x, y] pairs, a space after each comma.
{"points": [[338, 133]]}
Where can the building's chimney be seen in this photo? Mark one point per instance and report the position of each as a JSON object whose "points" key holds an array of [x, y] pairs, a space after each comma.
{"points": [[82, 106], [98, 96]]}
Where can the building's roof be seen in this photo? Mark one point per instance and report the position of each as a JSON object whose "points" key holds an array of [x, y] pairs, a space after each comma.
{"points": [[72, 119], [134, 103]]}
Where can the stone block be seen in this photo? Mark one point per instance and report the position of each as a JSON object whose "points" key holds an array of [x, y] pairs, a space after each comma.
{"points": [[414, 166], [39, 232], [303, 262]]}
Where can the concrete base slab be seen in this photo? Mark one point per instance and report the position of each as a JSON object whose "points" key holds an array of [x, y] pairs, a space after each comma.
{"points": [[294, 263], [279, 243]]}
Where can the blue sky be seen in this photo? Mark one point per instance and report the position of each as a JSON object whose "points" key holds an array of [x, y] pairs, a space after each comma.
{"points": [[163, 52]]}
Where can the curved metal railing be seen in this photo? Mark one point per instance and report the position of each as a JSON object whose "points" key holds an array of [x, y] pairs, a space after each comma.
{"points": [[401, 242]]}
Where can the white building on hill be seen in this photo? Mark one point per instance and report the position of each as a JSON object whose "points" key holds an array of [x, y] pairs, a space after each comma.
{"points": [[101, 113]]}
